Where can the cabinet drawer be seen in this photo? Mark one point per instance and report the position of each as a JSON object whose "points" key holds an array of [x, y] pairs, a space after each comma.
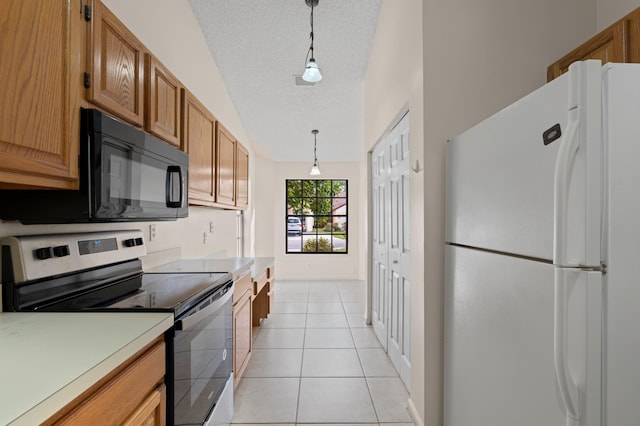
{"points": [[259, 284], [243, 284]]}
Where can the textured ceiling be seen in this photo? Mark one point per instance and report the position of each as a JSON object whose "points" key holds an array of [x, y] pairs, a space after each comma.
{"points": [[259, 45]]}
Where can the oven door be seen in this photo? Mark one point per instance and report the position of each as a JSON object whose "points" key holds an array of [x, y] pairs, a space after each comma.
{"points": [[203, 359]]}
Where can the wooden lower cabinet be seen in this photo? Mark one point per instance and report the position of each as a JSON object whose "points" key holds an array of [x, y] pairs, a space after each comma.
{"points": [[242, 339], [242, 320], [133, 394]]}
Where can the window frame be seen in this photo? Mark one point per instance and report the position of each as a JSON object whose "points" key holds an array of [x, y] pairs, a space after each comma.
{"points": [[342, 217]]}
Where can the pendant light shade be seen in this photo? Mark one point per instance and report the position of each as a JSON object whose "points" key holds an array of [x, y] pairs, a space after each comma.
{"points": [[311, 71], [315, 169]]}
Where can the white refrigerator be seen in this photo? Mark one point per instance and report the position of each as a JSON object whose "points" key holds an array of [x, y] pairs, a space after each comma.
{"points": [[542, 252]]}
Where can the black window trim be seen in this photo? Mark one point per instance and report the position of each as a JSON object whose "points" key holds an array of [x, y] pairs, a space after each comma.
{"points": [[287, 215]]}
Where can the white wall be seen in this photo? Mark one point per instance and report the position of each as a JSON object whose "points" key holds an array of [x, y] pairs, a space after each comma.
{"points": [[393, 85], [170, 30], [609, 11], [266, 216], [454, 64], [478, 58], [317, 266]]}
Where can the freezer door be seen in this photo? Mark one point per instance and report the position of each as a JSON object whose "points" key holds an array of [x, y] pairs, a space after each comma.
{"points": [[500, 354], [530, 175]]}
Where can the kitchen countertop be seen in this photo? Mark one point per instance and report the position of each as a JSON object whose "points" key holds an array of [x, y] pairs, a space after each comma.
{"points": [[233, 265], [48, 359], [260, 265], [236, 266]]}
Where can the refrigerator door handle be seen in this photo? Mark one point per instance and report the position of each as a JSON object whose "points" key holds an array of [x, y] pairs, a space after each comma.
{"points": [[562, 176], [568, 389]]}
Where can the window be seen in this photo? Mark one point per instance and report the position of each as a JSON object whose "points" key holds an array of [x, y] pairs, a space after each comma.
{"points": [[316, 216]]}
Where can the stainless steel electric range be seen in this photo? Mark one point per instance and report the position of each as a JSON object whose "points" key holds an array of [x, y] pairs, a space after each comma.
{"points": [[103, 271]]}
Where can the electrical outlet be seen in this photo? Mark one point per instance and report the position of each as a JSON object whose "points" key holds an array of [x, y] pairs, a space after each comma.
{"points": [[211, 226], [204, 238], [152, 232]]}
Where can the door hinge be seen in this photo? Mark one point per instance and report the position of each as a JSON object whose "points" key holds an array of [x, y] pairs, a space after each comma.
{"points": [[87, 13], [87, 80]]}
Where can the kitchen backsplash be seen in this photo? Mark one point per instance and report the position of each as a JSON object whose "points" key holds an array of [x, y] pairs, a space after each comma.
{"points": [[206, 232]]}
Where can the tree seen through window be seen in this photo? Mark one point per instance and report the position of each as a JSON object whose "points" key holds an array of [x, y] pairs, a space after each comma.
{"points": [[316, 216]]}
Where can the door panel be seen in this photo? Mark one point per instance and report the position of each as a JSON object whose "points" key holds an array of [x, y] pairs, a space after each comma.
{"points": [[499, 340], [391, 256], [379, 165], [399, 254], [500, 173]]}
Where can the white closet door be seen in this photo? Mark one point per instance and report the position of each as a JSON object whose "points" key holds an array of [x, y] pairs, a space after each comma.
{"points": [[391, 292], [380, 278]]}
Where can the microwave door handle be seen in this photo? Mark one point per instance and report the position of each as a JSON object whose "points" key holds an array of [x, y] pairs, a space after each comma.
{"points": [[171, 170], [191, 320]]}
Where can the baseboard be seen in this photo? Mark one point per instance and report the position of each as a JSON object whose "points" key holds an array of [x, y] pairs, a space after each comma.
{"points": [[414, 413]]}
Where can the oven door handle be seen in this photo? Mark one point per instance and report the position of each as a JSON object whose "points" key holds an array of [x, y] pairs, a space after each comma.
{"points": [[191, 320]]}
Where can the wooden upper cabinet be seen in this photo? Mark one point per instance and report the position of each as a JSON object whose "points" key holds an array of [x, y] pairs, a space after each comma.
{"points": [[162, 91], [199, 127], [242, 176], [41, 74], [618, 43], [225, 167], [116, 67]]}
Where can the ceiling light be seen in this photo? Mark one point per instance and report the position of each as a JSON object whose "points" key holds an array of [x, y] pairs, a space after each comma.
{"points": [[315, 169], [311, 71]]}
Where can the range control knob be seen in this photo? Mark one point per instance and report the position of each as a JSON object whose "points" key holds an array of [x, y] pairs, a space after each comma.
{"points": [[130, 242], [61, 251], [43, 253]]}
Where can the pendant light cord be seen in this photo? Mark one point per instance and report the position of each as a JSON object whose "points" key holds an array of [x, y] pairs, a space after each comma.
{"points": [[306, 59]]}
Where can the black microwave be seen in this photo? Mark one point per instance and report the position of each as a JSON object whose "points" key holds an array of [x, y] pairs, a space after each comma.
{"points": [[126, 175]]}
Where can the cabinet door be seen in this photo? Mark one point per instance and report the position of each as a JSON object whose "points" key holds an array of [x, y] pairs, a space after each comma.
{"points": [[134, 391], [41, 45], [608, 46], [242, 177], [116, 65], [226, 154], [241, 334], [162, 104], [199, 142], [152, 411]]}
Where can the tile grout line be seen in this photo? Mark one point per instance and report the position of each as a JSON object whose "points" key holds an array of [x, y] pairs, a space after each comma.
{"points": [[364, 374]]}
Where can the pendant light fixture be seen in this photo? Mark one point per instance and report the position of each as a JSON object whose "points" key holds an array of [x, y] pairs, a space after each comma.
{"points": [[311, 71], [315, 169]]}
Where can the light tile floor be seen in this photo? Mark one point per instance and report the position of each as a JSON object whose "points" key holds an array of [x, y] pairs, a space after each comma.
{"points": [[316, 362]]}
